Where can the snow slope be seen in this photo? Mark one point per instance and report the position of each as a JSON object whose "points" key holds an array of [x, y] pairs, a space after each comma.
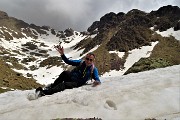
{"points": [[150, 94]]}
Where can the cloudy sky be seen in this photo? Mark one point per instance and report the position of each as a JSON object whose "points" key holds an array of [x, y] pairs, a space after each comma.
{"points": [[75, 14]]}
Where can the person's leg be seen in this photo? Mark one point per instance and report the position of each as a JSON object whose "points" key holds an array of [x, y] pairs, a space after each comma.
{"points": [[63, 77], [60, 87]]}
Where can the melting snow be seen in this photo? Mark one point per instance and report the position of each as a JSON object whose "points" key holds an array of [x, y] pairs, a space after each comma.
{"points": [[150, 94]]}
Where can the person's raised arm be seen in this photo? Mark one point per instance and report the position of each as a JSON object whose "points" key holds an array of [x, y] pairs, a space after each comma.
{"points": [[60, 49]]}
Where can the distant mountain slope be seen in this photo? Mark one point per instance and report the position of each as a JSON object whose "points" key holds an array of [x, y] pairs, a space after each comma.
{"points": [[124, 32], [132, 29], [26, 49], [115, 39]]}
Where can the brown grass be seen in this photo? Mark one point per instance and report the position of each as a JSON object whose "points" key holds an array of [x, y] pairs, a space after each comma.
{"points": [[14, 80], [168, 48]]}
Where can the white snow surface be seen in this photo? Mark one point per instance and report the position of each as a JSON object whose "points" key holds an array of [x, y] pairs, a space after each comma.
{"points": [[170, 32], [150, 94]]}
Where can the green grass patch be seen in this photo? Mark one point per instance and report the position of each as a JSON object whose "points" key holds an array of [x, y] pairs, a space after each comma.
{"points": [[165, 53]]}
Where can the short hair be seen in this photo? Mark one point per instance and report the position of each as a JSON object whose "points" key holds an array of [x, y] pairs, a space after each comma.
{"points": [[91, 54]]}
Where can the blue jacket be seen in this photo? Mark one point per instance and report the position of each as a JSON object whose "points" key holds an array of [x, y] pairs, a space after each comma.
{"points": [[82, 73]]}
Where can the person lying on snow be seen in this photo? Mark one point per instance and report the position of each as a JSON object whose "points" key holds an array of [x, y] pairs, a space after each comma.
{"points": [[84, 71]]}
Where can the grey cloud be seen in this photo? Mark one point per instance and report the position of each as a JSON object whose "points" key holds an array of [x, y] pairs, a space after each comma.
{"points": [[76, 14]]}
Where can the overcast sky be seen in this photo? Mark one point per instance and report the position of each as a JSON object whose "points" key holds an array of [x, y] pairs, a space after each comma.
{"points": [[75, 14]]}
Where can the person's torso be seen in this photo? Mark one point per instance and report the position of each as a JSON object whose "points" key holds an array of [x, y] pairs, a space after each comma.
{"points": [[81, 73]]}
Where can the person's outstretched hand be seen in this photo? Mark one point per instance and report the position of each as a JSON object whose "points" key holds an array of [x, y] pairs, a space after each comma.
{"points": [[60, 49]]}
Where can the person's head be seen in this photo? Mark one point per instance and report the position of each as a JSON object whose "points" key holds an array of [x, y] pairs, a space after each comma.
{"points": [[89, 59]]}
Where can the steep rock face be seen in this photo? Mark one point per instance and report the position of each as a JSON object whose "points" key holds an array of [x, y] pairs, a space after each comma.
{"points": [[129, 38], [177, 26], [168, 10], [107, 21], [115, 24], [137, 18], [165, 17], [110, 20], [69, 32]]}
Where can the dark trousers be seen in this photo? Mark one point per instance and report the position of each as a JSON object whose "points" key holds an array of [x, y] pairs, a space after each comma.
{"points": [[61, 83]]}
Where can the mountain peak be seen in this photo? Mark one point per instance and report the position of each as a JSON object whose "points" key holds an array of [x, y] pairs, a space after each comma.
{"points": [[3, 15], [69, 32], [135, 11], [167, 10]]}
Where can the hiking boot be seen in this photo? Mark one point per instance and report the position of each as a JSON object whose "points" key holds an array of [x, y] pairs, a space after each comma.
{"points": [[39, 92], [39, 89]]}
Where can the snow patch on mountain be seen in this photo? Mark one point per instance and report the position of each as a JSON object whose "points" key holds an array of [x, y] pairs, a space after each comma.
{"points": [[170, 32], [134, 56]]}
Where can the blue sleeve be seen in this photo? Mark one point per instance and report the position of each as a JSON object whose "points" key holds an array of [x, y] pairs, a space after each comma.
{"points": [[96, 75], [70, 62]]}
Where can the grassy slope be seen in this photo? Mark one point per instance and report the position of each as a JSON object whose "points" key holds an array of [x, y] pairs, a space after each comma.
{"points": [[169, 49], [13, 80], [103, 57]]}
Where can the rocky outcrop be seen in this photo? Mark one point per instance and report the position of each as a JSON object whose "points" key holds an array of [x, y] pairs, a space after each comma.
{"points": [[69, 32], [3, 15], [131, 30], [165, 17], [129, 38]]}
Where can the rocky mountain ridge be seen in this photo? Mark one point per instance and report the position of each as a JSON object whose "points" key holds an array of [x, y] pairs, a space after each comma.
{"points": [[126, 25], [124, 32]]}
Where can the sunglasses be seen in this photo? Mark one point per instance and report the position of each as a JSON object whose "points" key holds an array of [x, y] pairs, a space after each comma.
{"points": [[88, 59]]}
